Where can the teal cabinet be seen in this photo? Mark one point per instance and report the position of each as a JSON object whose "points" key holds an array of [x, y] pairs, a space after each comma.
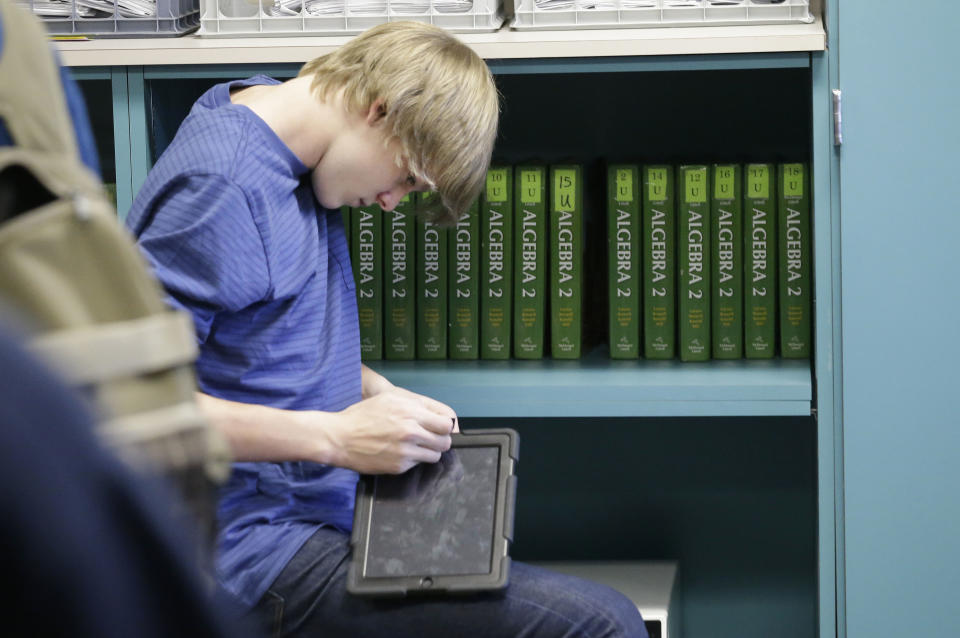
{"points": [[900, 211]]}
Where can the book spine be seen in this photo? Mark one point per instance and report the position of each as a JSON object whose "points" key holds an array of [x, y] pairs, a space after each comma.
{"points": [[566, 263], [431, 286], [399, 268], [623, 260], [530, 262], [659, 262], [367, 237], [464, 274], [496, 273], [727, 262], [693, 263], [759, 261], [795, 259]]}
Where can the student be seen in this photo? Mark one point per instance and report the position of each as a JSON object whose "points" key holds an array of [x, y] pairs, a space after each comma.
{"points": [[239, 220]]}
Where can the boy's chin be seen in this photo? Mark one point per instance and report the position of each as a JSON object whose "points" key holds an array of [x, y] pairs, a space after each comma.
{"points": [[329, 200], [332, 203]]}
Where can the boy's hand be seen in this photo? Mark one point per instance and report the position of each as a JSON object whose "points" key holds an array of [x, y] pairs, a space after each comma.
{"points": [[372, 383], [391, 432]]}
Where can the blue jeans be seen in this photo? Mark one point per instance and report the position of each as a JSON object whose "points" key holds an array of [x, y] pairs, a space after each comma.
{"points": [[310, 598]]}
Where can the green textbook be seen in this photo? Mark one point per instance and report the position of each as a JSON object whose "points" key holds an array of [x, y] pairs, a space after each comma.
{"points": [[399, 268], [463, 276], [431, 286], [496, 272], [367, 237], [530, 262], [659, 262], [693, 263], [726, 262], [566, 261], [623, 260], [795, 256], [759, 261]]}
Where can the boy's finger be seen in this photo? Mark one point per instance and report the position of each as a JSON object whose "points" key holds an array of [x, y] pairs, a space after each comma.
{"points": [[436, 406], [435, 423], [434, 442]]}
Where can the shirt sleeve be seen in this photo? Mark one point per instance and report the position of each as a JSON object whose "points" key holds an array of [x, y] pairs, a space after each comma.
{"points": [[205, 248]]}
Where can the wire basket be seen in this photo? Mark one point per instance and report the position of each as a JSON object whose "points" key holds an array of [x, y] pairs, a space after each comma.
{"points": [[342, 17], [116, 18], [599, 14]]}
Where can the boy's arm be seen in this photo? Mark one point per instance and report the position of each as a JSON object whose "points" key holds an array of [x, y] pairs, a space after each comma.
{"points": [[387, 433]]}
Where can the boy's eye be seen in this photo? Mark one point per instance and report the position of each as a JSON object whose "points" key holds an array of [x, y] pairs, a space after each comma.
{"points": [[411, 181]]}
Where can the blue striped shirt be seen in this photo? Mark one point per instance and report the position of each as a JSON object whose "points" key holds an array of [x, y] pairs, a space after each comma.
{"points": [[228, 220]]}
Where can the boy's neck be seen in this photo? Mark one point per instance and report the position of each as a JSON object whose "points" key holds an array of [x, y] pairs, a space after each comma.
{"points": [[306, 125]]}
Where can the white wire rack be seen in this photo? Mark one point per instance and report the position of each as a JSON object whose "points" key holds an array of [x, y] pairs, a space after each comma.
{"points": [[116, 18], [233, 18], [599, 14]]}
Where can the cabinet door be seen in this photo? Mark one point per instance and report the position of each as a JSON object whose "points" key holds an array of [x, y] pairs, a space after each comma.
{"points": [[900, 185]]}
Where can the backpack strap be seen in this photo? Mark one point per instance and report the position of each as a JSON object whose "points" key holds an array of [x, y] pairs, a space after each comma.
{"points": [[37, 118], [95, 353], [69, 264], [177, 434], [33, 106]]}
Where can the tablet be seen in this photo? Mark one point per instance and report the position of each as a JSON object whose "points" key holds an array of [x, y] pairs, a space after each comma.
{"points": [[438, 528]]}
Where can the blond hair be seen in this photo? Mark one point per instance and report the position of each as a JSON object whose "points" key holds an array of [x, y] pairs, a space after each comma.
{"points": [[439, 98]]}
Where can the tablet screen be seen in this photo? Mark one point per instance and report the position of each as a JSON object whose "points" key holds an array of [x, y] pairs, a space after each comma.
{"points": [[435, 519]]}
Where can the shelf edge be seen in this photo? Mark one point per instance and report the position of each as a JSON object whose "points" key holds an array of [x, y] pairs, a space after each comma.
{"points": [[502, 44]]}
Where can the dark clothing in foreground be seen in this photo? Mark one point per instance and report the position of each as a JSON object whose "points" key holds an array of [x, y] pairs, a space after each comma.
{"points": [[87, 548]]}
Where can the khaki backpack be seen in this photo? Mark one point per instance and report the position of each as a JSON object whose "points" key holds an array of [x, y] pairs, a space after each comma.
{"points": [[80, 288]]}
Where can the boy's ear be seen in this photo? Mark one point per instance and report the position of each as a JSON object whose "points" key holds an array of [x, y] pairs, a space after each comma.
{"points": [[376, 112]]}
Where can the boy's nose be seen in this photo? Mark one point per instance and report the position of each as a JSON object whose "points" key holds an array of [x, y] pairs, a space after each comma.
{"points": [[388, 200]]}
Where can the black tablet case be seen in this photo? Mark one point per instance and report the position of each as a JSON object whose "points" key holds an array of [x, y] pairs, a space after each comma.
{"points": [[438, 528]]}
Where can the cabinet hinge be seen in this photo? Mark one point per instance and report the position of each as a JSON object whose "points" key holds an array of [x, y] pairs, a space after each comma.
{"points": [[837, 117]]}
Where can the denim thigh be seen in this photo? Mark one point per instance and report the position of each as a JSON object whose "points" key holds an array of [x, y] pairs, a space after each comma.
{"points": [[309, 598]]}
